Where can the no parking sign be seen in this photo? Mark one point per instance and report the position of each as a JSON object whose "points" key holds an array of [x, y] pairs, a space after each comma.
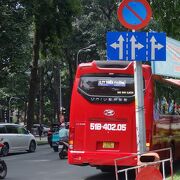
{"points": [[134, 14]]}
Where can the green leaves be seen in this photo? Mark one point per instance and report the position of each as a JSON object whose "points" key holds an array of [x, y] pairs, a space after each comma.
{"points": [[14, 39], [166, 13], [53, 18]]}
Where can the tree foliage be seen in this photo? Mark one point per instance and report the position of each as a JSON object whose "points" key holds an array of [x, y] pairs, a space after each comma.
{"points": [[49, 34], [166, 13], [52, 21], [14, 40]]}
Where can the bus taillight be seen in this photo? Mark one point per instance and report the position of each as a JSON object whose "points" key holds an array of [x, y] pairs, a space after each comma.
{"points": [[147, 146], [71, 138]]}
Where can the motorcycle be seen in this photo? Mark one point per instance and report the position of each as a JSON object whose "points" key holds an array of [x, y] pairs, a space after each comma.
{"points": [[3, 166], [63, 149], [3, 169]]}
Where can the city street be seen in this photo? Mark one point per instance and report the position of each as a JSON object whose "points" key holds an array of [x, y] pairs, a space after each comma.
{"points": [[103, 76], [45, 164]]}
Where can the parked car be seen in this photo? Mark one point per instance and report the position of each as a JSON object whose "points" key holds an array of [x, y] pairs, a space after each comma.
{"points": [[54, 128], [45, 129], [16, 138]]}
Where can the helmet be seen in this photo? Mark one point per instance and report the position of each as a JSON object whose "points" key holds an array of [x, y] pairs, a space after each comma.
{"points": [[63, 125]]}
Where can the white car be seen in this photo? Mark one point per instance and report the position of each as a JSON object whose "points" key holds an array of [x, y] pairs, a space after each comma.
{"points": [[16, 138]]}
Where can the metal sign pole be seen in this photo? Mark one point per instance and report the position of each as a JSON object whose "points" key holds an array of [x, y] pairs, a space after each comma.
{"points": [[139, 107], [136, 15]]}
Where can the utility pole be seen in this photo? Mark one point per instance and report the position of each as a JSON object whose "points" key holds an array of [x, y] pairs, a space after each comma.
{"points": [[139, 107], [41, 94], [60, 89], [9, 104]]}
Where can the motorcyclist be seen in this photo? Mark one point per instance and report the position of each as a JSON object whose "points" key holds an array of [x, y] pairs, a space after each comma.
{"points": [[63, 133], [63, 143]]}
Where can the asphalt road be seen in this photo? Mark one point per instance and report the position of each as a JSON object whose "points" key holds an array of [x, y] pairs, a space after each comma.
{"points": [[45, 164]]}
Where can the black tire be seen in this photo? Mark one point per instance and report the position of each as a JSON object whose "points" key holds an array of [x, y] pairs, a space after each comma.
{"points": [[3, 169], [5, 149], [61, 156], [108, 170], [32, 146], [55, 148]]}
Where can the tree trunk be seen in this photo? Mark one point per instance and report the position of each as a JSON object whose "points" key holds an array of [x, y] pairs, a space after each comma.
{"points": [[41, 95], [25, 113], [34, 78], [69, 60]]}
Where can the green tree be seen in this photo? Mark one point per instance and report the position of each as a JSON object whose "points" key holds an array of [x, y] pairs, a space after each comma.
{"points": [[52, 21], [15, 42], [14, 53], [166, 14], [90, 27]]}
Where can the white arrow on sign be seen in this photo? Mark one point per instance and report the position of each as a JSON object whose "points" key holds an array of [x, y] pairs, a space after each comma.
{"points": [[119, 45], [134, 46], [154, 46]]}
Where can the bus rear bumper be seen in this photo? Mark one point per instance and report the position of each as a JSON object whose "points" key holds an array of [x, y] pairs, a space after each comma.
{"points": [[100, 158]]}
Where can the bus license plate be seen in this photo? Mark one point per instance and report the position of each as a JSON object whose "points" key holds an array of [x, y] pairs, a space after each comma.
{"points": [[108, 145]]}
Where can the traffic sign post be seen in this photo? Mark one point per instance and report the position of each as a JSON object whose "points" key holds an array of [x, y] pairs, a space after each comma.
{"points": [[139, 108], [134, 15], [137, 46]]}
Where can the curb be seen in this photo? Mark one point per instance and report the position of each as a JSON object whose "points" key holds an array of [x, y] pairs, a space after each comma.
{"points": [[41, 142]]}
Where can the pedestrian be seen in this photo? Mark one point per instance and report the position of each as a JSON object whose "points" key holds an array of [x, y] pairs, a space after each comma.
{"points": [[40, 131]]}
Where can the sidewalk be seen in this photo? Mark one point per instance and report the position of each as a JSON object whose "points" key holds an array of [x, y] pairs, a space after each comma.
{"points": [[41, 141]]}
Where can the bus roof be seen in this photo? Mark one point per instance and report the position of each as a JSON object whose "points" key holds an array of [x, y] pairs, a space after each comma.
{"points": [[110, 66]]}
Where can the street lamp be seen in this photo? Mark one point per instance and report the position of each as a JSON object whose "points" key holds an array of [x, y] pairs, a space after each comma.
{"points": [[86, 49], [9, 105]]}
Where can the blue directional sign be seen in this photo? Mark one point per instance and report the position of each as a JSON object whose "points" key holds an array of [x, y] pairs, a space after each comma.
{"points": [[157, 46], [136, 46]]}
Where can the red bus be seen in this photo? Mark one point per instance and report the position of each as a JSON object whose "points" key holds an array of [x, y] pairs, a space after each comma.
{"points": [[102, 114]]}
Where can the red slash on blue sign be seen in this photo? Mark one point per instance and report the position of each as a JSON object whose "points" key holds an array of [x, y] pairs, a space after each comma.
{"points": [[134, 14]]}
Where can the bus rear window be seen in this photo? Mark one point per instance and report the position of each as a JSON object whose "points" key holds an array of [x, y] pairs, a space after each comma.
{"points": [[107, 89]]}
